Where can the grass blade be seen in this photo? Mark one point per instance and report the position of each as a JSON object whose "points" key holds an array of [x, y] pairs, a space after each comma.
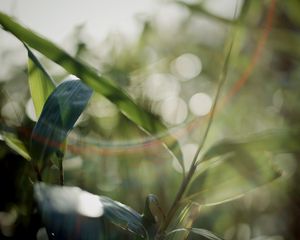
{"points": [[40, 83], [276, 141], [232, 177], [198, 231], [16, 144], [144, 119]]}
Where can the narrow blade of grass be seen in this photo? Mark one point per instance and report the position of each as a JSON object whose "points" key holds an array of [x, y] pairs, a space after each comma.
{"points": [[40, 83], [144, 119], [16, 144], [275, 141], [232, 177], [198, 231]]}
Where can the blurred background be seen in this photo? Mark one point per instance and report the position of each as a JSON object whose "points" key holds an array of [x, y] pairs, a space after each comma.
{"points": [[168, 56]]}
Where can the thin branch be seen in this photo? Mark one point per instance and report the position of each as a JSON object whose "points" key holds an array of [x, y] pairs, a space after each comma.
{"points": [[195, 161], [60, 156], [193, 167]]}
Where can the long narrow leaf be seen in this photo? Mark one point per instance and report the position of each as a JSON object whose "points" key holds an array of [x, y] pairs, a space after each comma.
{"points": [[60, 112], [245, 166], [232, 177], [283, 140], [16, 144], [198, 231], [71, 213], [144, 119], [40, 83]]}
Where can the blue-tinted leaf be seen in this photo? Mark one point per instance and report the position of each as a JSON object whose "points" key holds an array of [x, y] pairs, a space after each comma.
{"points": [[122, 216], [153, 215], [59, 114], [71, 213], [41, 84]]}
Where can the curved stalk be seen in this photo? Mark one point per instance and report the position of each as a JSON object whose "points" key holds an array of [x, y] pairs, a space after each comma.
{"points": [[195, 161]]}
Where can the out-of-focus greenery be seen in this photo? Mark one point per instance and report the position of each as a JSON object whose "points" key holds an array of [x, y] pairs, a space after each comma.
{"points": [[172, 70]]}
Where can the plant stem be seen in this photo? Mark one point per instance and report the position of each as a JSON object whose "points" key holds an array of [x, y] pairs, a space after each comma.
{"points": [[177, 199], [195, 161], [60, 157]]}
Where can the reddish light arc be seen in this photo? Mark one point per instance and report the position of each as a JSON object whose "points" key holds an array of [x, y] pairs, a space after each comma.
{"points": [[144, 145]]}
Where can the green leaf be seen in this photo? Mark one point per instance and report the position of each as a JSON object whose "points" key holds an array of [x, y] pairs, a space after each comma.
{"points": [[144, 119], [198, 231], [16, 144], [231, 177], [275, 141], [40, 83], [153, 212], [123, 216], [246, 165], [59, 114], [153, 215], [71, 213]]}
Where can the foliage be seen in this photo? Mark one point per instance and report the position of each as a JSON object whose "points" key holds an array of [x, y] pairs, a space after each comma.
{"points": [[82, 120]]}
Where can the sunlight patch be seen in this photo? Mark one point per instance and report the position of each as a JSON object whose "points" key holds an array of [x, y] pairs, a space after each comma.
{"points": [[89, 205]]}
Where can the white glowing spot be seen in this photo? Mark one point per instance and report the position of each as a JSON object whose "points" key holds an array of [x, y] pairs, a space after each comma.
{"points": [[89, 205], [69, 200], [70, 77], [188, 66], [174, 110], [30, 111], [200, 104], [160, 86]]}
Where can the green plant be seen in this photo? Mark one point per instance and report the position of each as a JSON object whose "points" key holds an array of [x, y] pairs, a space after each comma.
{"points": [[58, 108]]}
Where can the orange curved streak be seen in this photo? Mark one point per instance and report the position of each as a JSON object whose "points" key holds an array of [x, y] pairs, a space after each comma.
{"points": [[256, 55], [111, 150]]}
